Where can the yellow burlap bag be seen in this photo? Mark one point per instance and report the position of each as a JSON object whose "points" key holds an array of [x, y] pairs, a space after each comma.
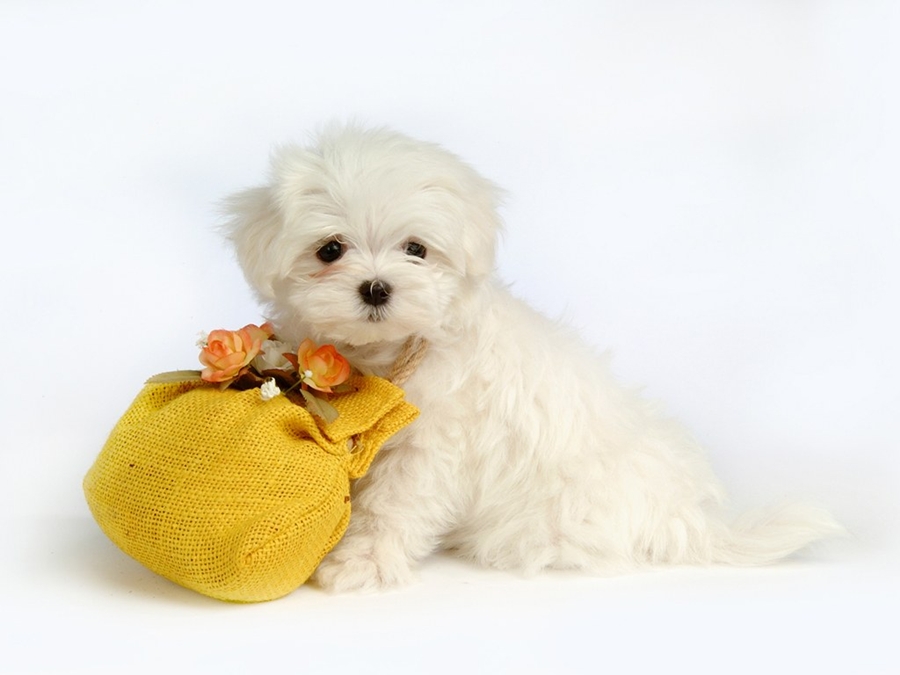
{"points": [[232, 496]]}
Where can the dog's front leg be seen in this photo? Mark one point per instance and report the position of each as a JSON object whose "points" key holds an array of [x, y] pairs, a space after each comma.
{"points": [[400, 512]]}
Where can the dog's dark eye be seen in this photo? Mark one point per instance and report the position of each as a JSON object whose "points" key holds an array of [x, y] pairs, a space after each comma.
{"points": [[330, 251], [416, 249]]}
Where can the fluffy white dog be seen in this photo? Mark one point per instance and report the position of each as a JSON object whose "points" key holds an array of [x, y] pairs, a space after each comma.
{"points": [[526, 454]]}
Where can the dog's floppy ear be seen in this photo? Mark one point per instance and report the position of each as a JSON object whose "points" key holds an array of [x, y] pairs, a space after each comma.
{"points": [[483, 227], [470, 201], [254, 226]]}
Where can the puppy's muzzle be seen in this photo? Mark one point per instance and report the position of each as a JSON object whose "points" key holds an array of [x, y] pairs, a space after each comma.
{"points": [[375, 293]]}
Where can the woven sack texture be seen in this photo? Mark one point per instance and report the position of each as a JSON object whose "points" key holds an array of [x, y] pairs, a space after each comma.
{"points": [[232, 496]]}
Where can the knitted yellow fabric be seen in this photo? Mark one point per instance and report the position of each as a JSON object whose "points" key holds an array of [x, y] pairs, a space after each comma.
{"points": [[232, 496]]}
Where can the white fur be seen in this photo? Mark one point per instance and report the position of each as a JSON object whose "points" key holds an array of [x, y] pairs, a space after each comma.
{"points": [[527, 454]]}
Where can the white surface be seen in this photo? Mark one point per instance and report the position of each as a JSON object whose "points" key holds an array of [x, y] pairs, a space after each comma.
{"points": [[720, 181]]}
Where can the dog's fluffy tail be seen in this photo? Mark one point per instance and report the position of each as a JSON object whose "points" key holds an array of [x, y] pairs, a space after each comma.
{"points": [[767, 535]]}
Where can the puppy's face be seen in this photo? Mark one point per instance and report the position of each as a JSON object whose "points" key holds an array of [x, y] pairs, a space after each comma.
{"points": [[376, 273], [366, 237]]}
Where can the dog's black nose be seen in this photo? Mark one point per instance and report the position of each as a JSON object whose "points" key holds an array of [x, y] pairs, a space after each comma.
{"points": [[375, 293]]}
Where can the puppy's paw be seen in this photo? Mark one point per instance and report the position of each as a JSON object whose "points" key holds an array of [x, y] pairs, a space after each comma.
{"points": [[362, 569]]}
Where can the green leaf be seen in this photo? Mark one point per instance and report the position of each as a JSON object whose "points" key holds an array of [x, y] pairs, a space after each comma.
{"points": [[175, 376], [317, 406], [343, 388]]}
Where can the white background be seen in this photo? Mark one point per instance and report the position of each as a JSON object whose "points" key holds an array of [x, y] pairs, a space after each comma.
{"points": [[709, 189]]}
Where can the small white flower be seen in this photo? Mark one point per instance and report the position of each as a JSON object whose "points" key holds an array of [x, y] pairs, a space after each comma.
{"points": [[202, 339], [269, 390]]}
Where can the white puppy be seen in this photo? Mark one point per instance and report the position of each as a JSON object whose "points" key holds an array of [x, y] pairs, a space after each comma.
{"points": [[526, 454]]}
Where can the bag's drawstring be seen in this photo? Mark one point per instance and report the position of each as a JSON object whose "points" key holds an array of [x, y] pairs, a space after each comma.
{"points": [[410, 357]]}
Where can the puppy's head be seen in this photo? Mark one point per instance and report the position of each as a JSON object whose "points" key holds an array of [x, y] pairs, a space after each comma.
{"points": [[366, 236]]}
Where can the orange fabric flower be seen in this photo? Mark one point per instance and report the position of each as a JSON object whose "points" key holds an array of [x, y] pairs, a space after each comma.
{"points": [[321, 367], [227, 352]]}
